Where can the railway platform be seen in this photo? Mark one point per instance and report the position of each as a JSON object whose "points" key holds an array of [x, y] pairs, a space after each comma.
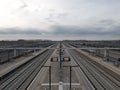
{"points": [[9, 66], [106, 64], [60, 75]]}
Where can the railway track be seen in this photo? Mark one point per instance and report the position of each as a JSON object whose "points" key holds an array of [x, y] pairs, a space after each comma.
{"points": [[21, 78], [98, 77]]}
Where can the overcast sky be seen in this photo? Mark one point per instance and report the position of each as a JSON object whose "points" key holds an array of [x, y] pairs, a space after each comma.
{"points": [[60, 19]]}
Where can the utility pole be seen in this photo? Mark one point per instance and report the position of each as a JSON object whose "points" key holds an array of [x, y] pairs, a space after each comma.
{"points": [[60, 56], [71, 75]]}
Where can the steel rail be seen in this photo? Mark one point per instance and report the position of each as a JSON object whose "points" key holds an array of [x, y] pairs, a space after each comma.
{"points": [[25, 73], [95, 74], [87, 48]]}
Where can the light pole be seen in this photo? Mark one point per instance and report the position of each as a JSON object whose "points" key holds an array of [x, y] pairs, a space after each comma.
{"points": [[71, 74]]}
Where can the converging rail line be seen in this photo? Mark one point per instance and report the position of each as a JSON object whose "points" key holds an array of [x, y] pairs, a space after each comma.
{"points": [[58, 57], [98, 77], [21, 77]]}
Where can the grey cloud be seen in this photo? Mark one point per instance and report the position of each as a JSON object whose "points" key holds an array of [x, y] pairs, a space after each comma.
{"points": [[65, 31], [76, 30], [20, 31], [24, 4], [21, 7], [53, 15], [107, 22]]}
